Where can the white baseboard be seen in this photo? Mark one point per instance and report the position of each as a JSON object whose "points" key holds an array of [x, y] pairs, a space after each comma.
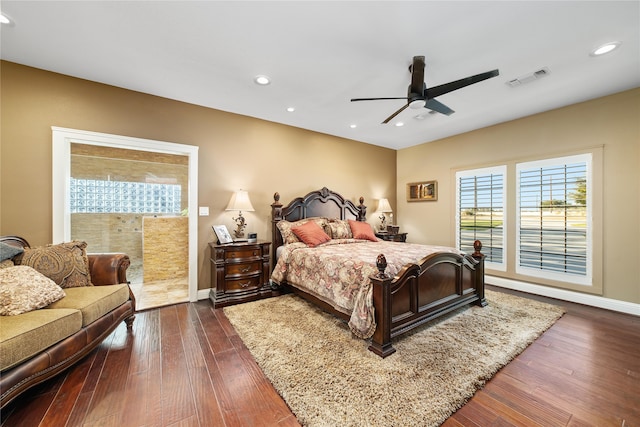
{"points": [[203, 294], [565, 295]]}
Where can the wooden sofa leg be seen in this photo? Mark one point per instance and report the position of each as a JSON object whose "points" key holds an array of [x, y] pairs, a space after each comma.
{"points": [[129, 321]]}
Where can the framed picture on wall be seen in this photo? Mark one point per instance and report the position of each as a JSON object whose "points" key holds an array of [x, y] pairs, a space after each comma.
{"points": [[222, 234], [422, 191]]}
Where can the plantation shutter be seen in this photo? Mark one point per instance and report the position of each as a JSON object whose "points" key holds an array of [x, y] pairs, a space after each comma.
{"points": [[553, 219], [480, 212]]}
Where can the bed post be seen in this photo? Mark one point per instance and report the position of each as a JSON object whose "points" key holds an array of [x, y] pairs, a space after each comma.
{"points": [[479, 273], [362, 210], [276, 237], [381, 282]]}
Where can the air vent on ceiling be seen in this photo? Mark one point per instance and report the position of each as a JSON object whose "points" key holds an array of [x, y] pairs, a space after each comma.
{"points": [[528, 78]]}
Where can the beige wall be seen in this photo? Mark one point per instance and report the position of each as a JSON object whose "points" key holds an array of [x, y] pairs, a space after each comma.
{"points": [[612, 122], [234, 152], [262, 157]]}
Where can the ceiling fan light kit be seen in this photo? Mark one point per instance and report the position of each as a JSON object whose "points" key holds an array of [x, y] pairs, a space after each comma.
{"points": [[419, 96]]}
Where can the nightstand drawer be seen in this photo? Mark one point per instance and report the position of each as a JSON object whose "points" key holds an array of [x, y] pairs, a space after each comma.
{"points": [[244, 269], [243, 284], [242, 253]]}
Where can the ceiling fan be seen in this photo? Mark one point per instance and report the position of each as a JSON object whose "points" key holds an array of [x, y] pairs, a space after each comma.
{"points": [[418, 95]]}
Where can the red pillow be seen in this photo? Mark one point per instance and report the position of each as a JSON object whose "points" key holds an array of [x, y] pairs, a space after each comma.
{"points": [[362, 230], [311, 234]]}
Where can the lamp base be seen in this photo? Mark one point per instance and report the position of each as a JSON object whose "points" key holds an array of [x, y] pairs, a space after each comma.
{"points": [[240, 221]]}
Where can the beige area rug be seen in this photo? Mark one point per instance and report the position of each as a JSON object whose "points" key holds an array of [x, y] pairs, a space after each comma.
{"points": [[329, 378]]}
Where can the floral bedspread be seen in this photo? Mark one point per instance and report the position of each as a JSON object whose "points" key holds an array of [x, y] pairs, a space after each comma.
{"points": [[338, 273]]}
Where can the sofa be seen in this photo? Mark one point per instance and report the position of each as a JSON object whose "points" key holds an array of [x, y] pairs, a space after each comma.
{"points": [[52, 319]]}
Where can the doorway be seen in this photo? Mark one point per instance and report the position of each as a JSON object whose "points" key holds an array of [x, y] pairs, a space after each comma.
{"points": [[130, 195]]}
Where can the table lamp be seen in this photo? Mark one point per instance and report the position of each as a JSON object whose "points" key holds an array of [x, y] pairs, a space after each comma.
{"points": [[240, 202], [384, 207]]}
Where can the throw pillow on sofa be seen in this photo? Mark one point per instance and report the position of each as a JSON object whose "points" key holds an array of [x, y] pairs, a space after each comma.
{"points": [[23, 289], [8, 251], [66, 264]]}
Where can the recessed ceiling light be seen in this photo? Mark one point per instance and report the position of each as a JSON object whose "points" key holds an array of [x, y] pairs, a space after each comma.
{"points": [[605, 48], [291, 109], [399, 124], [262, 80], [353, 126], [4, 19]]}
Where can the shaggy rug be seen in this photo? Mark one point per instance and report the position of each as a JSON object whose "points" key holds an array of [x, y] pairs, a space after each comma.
{"points": [[329, 378]]}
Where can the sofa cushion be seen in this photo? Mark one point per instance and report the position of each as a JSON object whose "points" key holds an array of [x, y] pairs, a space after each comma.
{"points": [[94, 302], [23, 289], [66, 264], [24, 336]]}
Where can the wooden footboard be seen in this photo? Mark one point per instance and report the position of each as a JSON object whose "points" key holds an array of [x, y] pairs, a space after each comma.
{"points": [[421, 292]]}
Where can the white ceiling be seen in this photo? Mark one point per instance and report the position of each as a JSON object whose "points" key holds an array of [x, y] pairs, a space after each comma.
{"points": [[319, 55]]}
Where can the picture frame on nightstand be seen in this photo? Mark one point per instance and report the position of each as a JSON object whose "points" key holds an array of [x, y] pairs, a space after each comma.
{"points": [[222, 234]]}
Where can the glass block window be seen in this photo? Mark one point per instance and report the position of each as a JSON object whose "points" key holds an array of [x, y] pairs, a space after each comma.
{"points": [[99, 196]]}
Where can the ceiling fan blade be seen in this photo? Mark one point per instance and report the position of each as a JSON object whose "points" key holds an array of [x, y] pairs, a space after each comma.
{"points": [[417, 75], [375, 99], [451, 86], [388, 119], [438, 106]]}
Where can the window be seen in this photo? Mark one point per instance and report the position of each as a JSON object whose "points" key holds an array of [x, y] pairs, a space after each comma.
{"points": [[547, 229], [480, 213], [100, 196], [553, 219]]}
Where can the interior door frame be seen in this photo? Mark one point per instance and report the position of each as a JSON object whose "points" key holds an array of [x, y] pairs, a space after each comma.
{"points": [[61, 141]]}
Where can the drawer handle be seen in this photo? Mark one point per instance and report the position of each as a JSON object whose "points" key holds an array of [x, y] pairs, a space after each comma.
{"points": [[246, 269], [255, 253], [245, 285]]}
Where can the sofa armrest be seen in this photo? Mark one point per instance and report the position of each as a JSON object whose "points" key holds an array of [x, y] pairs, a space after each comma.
{"points": [[108, 268]]}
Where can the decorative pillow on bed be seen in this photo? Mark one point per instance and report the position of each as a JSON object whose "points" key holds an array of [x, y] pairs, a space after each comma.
{"points": [[285, 227], [66, 264], [340, 229], [311, 234], [8, 251], [23, 289], [362, 230]]}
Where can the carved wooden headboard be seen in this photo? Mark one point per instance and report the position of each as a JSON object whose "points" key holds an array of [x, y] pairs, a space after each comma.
{"points": [[323, 202]]}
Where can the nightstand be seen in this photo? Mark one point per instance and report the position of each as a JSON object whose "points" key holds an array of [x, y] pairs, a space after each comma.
{"points": [[239, 272], [391, 237]]}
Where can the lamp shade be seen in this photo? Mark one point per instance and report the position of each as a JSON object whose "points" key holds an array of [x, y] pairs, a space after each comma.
{"points": [[384, 206], [240, 202]]}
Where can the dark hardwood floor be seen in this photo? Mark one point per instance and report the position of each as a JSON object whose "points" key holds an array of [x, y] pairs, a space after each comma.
{"points": [[184, 365]]}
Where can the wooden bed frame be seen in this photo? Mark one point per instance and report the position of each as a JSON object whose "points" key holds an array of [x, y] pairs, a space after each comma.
{"points": [[438, 284]]}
